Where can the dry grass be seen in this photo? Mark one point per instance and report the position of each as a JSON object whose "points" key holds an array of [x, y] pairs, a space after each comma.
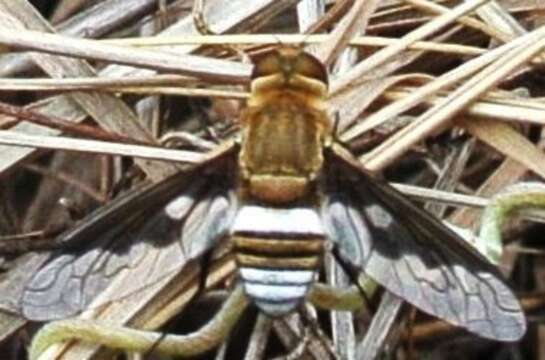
{"points": [[444, 96]]}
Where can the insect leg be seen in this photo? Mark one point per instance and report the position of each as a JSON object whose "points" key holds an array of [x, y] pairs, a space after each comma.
{"points": [[203, 272], [352, 274], [198, 18], [123, 338], [335, 298]]}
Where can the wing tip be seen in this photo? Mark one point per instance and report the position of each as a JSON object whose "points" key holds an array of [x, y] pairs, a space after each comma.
{"points": [[511, 328]]}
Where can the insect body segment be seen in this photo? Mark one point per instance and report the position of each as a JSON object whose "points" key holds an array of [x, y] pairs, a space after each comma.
{"points": [[278, 252], [278, 237], [284, 128]]}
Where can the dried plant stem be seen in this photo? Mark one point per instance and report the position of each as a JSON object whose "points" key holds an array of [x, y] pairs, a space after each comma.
{"points": [[98, 147], [86, 83], [424, 92], [63, 125], [465, 20], [529, 110], [206, 68], [269, 39], [528, 46], [388, 52]]}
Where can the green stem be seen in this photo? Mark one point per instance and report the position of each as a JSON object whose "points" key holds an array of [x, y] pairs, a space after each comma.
{"points": [[524, 195], [127, 339]]}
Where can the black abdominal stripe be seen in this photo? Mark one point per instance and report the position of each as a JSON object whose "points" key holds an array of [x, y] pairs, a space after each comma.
{"points": [[278, 252]]}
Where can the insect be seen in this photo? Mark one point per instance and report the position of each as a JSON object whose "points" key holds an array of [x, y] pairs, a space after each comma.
{"points": [[282, 195]]}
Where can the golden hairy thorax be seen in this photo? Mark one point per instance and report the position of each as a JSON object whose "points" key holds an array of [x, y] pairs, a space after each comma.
{"points": [[284, 126]]}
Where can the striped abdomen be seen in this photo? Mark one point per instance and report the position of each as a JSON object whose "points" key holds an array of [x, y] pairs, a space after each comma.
{"points": [[278, 252]]}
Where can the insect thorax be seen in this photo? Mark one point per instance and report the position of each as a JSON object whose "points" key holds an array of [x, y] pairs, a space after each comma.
{"points": [[283, 136]]}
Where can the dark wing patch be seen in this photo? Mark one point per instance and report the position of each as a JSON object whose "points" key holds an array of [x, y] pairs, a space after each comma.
{"points": [[162, 227], [414, 255]]}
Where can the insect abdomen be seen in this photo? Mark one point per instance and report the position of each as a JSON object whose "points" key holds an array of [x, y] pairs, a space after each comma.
{"points": [[278, 252]]}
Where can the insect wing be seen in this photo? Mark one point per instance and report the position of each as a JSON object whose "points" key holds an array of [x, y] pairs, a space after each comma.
{"points": [[414, 255], [161, 226]]}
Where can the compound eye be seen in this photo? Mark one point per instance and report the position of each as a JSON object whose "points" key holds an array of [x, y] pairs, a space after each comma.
{"points": [[309, 66], [289, 61], [266, 64]]}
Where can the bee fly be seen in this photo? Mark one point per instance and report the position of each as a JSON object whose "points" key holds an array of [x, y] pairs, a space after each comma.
{"points": [[283, 192]]}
